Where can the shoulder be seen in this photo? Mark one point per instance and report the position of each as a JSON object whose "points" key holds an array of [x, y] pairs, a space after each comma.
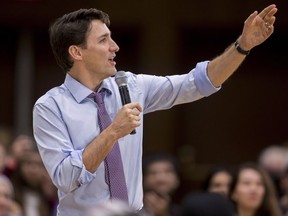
{"points": [[52, 95], [134, 78]]}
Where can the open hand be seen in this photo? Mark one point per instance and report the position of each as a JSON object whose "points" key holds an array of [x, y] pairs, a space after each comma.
{"points": [[258, 27]]}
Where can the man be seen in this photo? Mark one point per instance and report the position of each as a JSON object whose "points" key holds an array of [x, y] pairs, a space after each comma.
{"points": [[70, 122]]}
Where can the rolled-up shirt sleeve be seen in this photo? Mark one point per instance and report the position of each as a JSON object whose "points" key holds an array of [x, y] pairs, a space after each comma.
{"points": [[63, 163], [202, 80], [77, 161]]}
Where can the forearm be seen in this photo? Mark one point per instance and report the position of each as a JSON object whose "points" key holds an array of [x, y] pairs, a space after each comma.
{"points": [[98, 149], [223, 66], [126, 120]]}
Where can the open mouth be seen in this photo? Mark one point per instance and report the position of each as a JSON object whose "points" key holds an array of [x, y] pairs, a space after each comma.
{"points": [[111, 60]]}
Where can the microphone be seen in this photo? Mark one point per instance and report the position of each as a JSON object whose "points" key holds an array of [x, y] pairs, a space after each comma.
{"points": [[121, 80]]}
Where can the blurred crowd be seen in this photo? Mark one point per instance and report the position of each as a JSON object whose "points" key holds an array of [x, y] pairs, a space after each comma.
{"points": [[25, 186], [258, 188]]}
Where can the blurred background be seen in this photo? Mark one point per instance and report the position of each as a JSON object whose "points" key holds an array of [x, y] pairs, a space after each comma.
{"points": [[161, 37]]}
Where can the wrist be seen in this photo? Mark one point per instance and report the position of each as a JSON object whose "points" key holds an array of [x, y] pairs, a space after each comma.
{"points": [[240, 49], [113, 133]]}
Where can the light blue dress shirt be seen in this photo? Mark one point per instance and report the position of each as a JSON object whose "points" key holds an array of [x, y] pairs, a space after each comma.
{"points": [[65, 121]]}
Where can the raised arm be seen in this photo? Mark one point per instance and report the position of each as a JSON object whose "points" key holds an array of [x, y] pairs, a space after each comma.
{"points": [[257, 28]]}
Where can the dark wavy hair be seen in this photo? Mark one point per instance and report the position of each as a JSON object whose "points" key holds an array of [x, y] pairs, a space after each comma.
{"points": [[72, 29], [211, 173]]}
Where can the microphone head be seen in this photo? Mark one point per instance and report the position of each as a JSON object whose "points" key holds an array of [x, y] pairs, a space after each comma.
{"points": [[121, 78]]}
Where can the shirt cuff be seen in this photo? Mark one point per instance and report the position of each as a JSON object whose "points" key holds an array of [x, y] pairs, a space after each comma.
{"points": [[202, 80], [85, 175]]}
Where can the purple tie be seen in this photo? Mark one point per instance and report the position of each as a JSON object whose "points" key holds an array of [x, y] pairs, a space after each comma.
{"points": [[114, 173]]}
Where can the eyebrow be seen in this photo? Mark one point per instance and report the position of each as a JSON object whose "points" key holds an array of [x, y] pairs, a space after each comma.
{"points": [[105, 35]]}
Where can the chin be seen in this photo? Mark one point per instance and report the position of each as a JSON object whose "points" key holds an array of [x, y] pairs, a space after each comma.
{"points": [[254, 205], [113, 72]]}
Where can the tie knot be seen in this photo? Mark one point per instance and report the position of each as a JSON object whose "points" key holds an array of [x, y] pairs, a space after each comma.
{"points": [[98, 97]]}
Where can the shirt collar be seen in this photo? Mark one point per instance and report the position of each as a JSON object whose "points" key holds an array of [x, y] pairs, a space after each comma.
{"points": [[80, 91]]}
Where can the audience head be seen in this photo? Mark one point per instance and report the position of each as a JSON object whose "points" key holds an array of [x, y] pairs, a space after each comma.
{"points": [[253, 191], [31, 168], [274, 159], [21, 144], [205, 204], [218, 180], [160, 173]]}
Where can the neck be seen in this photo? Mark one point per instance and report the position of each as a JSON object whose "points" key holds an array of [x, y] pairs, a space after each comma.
{"points": [[91, 81], [246, 212]]}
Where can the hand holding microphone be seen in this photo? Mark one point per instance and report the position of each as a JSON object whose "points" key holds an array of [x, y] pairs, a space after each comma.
{"points": [[121, 80]]}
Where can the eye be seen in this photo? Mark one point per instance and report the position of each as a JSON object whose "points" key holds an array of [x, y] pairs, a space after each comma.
{"points": [[103, 40]]}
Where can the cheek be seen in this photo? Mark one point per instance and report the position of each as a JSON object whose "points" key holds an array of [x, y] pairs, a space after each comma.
{"points": [[239, 194], [149, 181], [261, 192]]}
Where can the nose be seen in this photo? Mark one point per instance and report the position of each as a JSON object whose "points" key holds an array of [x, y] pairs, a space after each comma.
{"points": [[114, 47]]}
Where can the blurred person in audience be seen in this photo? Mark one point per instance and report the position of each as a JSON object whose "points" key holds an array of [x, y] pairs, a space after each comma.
{"points": [[283, 200], [160, 181], [3, 156], [205, 204], [274, 159], [31, 184], [252, 192], [20, 145], [218, 180], [8, 206], [50, 192]]}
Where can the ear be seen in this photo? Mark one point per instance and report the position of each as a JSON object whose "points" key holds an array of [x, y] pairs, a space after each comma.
{"points": [[75, 52]]}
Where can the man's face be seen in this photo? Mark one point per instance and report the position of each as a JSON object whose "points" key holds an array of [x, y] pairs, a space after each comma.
{"points": [[161, 178], [98, 56]]}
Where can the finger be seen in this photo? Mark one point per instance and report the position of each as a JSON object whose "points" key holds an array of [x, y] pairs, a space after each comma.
{"points": [[137, 118], [269, 30], [135, 111], [134, 105], [269, 25], [250, 19], [270, 15], [267, 11], [138, 107], [271, 21]]}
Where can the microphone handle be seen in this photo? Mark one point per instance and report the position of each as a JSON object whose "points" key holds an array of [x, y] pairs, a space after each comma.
{"points": [[125, 98], [124, 93]]}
